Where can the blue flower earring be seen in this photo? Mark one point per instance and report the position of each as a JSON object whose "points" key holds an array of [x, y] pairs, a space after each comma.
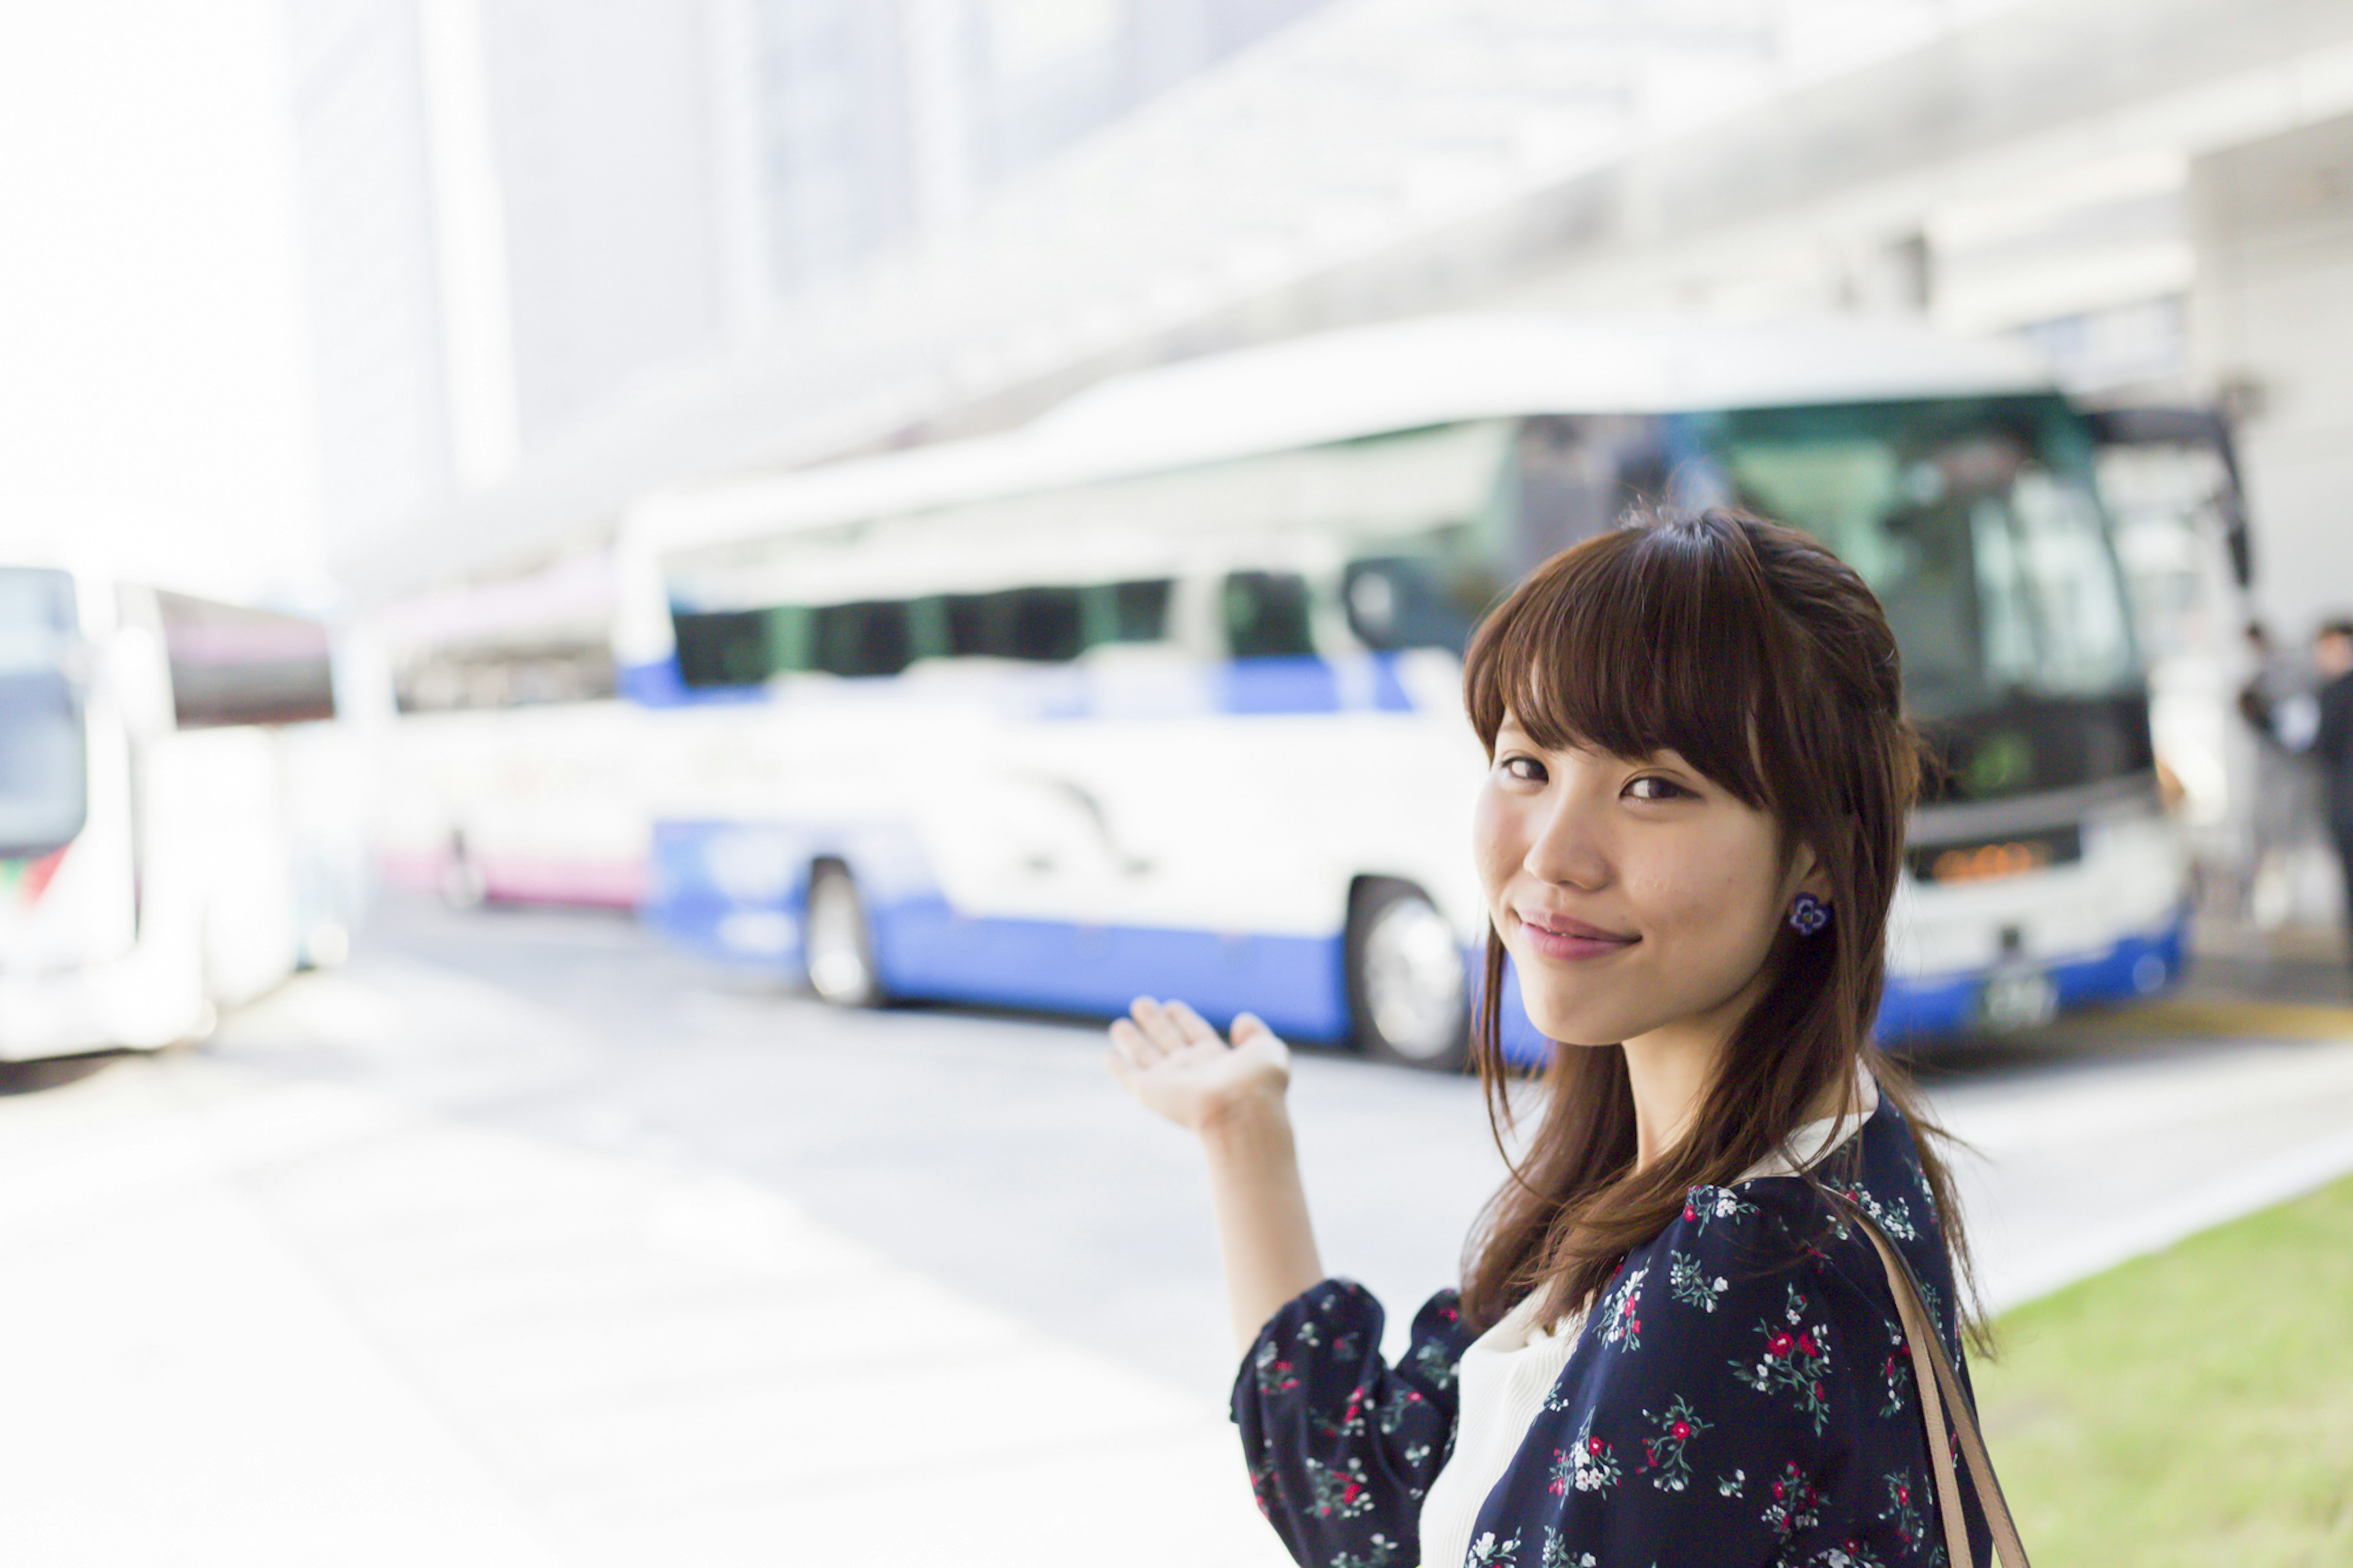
{"points": [[1808, 915]]}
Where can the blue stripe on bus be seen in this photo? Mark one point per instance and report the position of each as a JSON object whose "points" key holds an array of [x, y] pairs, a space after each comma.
{"points": [[1277, 686], [1251, 685], [735, 892], [2137, 965], [924, 948], [658, 684]]}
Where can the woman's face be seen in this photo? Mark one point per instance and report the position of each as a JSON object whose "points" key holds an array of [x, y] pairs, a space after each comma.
{"points": [[1632, 894]]}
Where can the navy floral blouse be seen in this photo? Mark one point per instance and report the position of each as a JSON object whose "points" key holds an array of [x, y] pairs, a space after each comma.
{"points": [[1740, 1395]]}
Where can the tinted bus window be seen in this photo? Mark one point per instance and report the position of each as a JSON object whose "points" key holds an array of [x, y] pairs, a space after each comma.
{"points": [[1399, 602], [722, 647], [44, 790], [231, 664], [1128, 612], [965, 619], [1266, 616], [1040, 625], [870, 638]]}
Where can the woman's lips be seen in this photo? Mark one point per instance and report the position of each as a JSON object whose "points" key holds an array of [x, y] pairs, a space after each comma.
{"points": [[1560, 937]]}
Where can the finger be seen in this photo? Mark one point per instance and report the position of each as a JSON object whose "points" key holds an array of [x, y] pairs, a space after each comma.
{"points": [[1246, 1024], [1131, 1043], [1195, 1028], [1158, 1026], [1122, 1069]]}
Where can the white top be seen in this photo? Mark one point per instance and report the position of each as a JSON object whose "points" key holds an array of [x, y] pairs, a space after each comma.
{"points": [[1508, 1372]]}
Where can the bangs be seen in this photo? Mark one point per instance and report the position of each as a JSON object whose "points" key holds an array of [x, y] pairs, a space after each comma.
{"points": [[1654, 636]]}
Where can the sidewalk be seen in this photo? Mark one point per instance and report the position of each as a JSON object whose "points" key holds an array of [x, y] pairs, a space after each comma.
{"points": [[271, 1322], [271, 1314]]}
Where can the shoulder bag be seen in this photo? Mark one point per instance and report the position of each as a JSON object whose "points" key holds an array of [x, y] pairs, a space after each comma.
{"points": [[1940, 1392]]}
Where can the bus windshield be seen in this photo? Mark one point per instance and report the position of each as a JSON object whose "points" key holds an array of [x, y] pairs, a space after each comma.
{"points": [[1976, 523], [43, 786]]}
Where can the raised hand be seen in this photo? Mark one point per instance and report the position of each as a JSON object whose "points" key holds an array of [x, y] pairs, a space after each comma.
{"points": [[1173, 1062]]}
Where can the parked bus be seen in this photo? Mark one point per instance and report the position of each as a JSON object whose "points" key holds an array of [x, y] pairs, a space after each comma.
{"points": [[175, 824], [1161, 692], [513, 773]]}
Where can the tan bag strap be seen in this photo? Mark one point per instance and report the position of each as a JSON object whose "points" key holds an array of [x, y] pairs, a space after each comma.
{"points": [[1941, 1395]]}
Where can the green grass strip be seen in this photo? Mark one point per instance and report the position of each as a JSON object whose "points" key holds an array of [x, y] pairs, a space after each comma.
{"points": [[2191, 1409]]}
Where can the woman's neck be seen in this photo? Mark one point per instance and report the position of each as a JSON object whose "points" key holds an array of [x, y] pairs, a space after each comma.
{"points": [[1670, 1067], [1669, 1071]]}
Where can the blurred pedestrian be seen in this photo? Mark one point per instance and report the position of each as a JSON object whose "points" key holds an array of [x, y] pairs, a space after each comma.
{"points": [[2277, 703], [2332, 743], [1688, 840]]}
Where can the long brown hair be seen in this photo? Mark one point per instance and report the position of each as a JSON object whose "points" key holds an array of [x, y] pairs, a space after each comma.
{"points": [[1762, 659]]}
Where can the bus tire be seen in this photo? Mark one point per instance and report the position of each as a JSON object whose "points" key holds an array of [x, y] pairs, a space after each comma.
{"points": [[837, 940], [1408, 985]]}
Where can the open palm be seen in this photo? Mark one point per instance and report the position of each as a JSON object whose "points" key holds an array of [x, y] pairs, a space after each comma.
{"points": [[1171, 1060]]}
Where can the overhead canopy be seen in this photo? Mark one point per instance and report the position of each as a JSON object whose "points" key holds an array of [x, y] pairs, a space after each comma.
{"points": [[1369, 125]]}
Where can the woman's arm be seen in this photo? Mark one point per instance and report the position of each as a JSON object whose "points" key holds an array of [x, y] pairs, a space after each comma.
{"points": [[1231, 1097]]}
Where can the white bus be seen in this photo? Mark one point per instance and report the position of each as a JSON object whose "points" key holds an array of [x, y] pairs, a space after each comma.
{"points": [[178, 831], [513, 773], [1161, 692]]}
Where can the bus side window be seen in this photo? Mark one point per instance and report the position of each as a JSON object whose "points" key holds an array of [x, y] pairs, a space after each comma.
{"points": [[1043, 624], [1128, 612], [1266, 616], [966, 617], [868, 638], [232, 665], [1040, 625], [1400, 602], [722, 647]]}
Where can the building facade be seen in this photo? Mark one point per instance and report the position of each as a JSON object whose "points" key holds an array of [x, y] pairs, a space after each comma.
{"points": [[562, 253], [522, 218]]}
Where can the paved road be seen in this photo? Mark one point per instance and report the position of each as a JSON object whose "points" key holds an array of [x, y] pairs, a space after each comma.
{"points": [[523, 1240]]}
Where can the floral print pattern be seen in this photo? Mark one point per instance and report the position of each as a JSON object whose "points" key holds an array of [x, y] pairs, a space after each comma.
{"points": [[1662, 1454], [1794, 1361], [1754, 1413], [1587, 1464], [1622, 1322], [1689, 1283]]}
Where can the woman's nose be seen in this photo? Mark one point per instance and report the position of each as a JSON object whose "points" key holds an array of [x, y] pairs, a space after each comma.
{"points": [[1567, 850]]}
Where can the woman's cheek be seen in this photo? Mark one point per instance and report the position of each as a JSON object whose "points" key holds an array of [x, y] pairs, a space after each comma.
{"points": [[1491, 834]]}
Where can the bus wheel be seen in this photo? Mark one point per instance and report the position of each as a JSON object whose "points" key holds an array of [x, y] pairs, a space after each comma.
{"points": [[836, 942], [1408, 992]]}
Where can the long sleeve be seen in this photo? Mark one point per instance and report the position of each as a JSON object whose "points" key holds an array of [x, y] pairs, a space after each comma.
{"points": [[1342, 1445]]}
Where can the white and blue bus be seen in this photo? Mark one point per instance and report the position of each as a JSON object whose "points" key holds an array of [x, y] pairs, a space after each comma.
{"points": [[1160, 693]]}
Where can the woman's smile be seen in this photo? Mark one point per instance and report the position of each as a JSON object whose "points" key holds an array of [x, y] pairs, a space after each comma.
{"points": [[1550, 933]]}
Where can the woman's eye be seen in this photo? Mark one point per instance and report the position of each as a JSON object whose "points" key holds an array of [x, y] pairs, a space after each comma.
{"points": [[1527, 770], [1649, 788]]}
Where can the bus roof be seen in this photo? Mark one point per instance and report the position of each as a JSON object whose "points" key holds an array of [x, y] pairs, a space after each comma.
{"points": [[1369, 381]]}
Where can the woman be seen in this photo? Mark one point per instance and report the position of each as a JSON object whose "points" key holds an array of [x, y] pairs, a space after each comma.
{"points": [[1668, 1349]]}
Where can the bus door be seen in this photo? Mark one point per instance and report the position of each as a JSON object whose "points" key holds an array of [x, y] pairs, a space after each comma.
{"points": [[2169, 477]]}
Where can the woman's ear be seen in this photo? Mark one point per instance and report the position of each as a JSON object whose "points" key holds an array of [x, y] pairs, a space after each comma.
{"points": [[1808, 874]]}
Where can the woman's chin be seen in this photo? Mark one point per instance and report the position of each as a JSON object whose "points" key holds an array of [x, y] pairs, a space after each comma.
{"points": [[1576, 1025]]}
